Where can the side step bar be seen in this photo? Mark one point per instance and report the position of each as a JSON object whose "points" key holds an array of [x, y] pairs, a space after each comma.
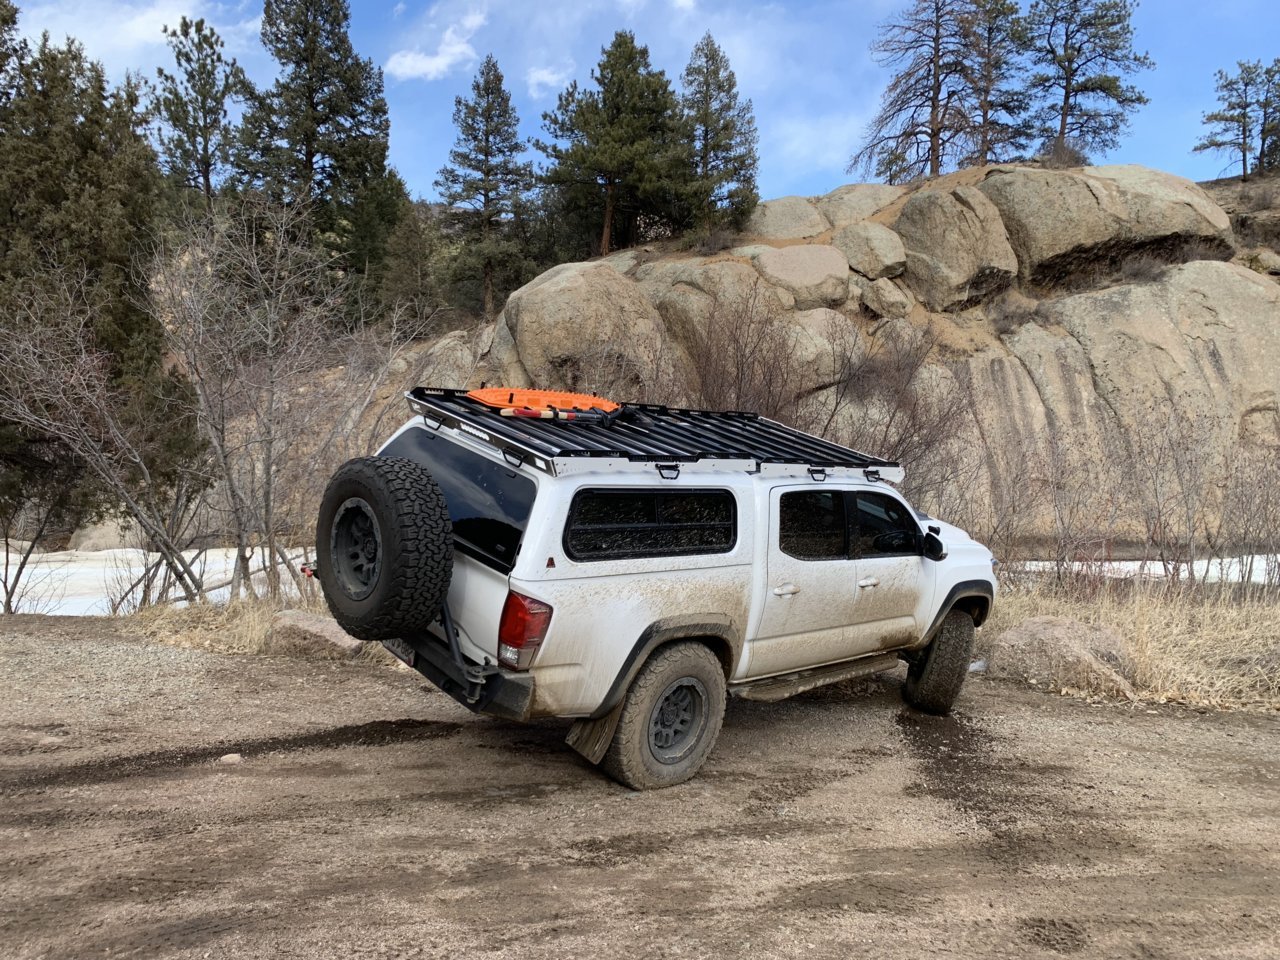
{"points": [[772, 689]]}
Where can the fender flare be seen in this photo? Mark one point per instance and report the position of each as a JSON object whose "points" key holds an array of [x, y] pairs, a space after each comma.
{"points": [[591, 735], [981, 589]]}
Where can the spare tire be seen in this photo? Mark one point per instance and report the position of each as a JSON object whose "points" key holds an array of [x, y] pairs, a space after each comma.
{"points": [[384, 548]]}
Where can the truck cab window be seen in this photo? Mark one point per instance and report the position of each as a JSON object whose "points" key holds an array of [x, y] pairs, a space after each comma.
{"points": [[884, 527]]}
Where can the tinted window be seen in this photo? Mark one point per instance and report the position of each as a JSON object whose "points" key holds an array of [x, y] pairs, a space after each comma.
{"points": [[488, 502], [628, 524], [884, 527], [811, 525]]}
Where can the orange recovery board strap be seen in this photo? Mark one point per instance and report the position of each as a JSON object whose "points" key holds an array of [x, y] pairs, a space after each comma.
{"points": [[508, 398]]}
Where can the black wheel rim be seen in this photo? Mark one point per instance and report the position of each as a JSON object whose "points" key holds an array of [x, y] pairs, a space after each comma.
{"points": [[355, 548], [677, 720]]}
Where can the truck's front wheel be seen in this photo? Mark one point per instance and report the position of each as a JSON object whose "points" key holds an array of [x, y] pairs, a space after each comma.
{"points": [[670, 719], [935, 677]]}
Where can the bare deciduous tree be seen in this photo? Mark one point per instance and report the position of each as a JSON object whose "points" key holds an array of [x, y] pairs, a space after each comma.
{"points": [[56, 382]]}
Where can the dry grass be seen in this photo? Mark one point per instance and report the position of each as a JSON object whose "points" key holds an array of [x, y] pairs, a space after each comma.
{"points": [[1214, 647], [241, 629]]}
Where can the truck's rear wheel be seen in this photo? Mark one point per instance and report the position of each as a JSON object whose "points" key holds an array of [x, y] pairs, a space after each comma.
{"points": [[384, 548], [670, 719], [935, 677]]}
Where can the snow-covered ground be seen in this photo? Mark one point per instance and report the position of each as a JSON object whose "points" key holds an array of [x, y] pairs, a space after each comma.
{"points": [[1259, 568], [83, 583]]}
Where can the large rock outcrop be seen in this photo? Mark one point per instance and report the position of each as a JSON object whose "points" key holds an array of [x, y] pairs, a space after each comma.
{"points": [[1062, 222], [957, 249], [1021, 276], [580, 321]]}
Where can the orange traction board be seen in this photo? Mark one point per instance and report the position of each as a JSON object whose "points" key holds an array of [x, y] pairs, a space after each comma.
{"points": [[508, 398]]}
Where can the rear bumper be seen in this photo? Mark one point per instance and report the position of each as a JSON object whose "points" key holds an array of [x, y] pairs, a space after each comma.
{"points": [[491, 690]]}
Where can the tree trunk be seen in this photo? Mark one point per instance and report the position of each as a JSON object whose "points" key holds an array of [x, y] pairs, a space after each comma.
{"points": [[606, 235], [935, 102], [1065, 112], [488, 290]]}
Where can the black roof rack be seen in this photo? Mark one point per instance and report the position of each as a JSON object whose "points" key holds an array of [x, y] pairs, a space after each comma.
{"points": [[639, 432]]}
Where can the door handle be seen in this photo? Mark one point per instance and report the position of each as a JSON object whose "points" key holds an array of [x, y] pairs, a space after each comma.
{"points": [[869, 582], [785, 590]]}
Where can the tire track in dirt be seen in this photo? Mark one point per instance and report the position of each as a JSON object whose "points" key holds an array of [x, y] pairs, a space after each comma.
{"points": [[112, 769]]}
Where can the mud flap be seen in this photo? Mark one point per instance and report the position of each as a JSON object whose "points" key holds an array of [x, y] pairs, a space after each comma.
{"points": [[591, 738]]}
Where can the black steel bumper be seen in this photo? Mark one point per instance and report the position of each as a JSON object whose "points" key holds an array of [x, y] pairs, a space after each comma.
{"points": [[480, 688]]}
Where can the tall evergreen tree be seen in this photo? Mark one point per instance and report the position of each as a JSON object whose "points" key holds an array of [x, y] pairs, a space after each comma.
{"points": [[1234, 126], [1269, 118], [724, 138], [485, 180], [412, 278], [1081, 51], [195, 136], [993, 82], [921, 115], [78, 190], [79, 183], [621, 143], [319, 134], [12, 51]]}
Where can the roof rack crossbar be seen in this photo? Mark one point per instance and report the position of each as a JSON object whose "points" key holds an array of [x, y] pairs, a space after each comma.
{"points": [[666, 434]]}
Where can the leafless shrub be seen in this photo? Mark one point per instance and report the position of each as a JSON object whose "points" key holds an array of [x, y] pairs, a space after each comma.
{"points": [[891, 396], [1258, 197], [248, 308], [1062, 155], [713, 240], [743, 358], [56, 382], [1142, 269], [1010, 312]]}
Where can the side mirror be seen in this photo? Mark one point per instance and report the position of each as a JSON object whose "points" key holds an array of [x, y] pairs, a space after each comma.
{"points": [[934, 549]]}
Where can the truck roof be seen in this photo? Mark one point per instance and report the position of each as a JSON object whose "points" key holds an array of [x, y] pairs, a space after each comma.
{"points": [[645, 437]]}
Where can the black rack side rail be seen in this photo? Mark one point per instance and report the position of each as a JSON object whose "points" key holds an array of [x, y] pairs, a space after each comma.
{"points": [[644, 433]]}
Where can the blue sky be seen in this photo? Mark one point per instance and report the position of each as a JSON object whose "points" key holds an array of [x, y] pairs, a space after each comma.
{"points": [[805, 65]]}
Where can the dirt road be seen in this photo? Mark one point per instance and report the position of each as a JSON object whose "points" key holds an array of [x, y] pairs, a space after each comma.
{"points": [[371, 818]]}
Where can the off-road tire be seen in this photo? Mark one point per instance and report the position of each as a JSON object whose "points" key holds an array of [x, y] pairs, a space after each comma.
{"points": [[409, 579], [935, 677], [631, 759]]}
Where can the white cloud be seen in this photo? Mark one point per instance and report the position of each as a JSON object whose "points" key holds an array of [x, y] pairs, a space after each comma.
{"points": [[453, 50], [543, 80], [398, 9], [684, 4], [129, 35]]}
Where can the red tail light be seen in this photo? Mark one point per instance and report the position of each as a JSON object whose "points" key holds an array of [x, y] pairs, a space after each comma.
{"points": [[521, 631]]}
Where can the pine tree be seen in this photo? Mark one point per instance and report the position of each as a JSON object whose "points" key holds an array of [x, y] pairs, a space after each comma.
{"points": [[485, 180], [195, 137], [724, 138], [13, 50], [1269, 119], [992, 73], [623, 140], [1235, 125], [319, 134], [1083, 50], [412, 280], [80, 185], [921, 114]]}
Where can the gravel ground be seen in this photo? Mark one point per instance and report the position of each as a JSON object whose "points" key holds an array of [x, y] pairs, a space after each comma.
{"points": [[371, 816]]}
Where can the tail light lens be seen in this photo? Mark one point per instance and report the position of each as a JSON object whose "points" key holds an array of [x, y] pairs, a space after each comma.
{"points": [[522, 629]]}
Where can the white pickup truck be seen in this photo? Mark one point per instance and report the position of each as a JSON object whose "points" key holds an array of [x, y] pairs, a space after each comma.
{"points": [[632, 566]]}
